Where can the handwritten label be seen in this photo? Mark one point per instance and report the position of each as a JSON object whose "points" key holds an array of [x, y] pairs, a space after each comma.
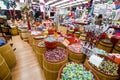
{"points": [[95, 60], [66, 42]]}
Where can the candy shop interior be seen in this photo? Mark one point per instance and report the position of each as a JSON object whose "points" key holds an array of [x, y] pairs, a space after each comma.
{"points": [[59, 39]]}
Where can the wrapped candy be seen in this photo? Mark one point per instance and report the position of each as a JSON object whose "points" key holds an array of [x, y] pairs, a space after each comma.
{"points": [[108, 67], [73, 71], [55, 55]]}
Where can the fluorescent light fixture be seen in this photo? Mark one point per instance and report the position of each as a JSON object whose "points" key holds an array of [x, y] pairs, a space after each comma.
{"points": [[21, 1], [51, 1], [60, 2], [77, 1], [75, 4]]}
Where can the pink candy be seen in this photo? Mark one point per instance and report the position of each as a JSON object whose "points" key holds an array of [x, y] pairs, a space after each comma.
{"points": [[55, 55]]}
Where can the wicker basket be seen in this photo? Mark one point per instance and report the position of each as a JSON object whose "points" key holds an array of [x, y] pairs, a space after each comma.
{"points": [[83, 36], [29, 38], [77, 34], [101, 75], [105, 45], [51, 69], [70, 31], [61, 45], [39, 54], [4, 70], [24, 35], [116, 49], [60, 71], [76, 57], [14, 31], [8, 54]]}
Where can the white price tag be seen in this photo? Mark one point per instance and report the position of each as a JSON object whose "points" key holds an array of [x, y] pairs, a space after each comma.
{"points": [[66, 42], [95, 60]]}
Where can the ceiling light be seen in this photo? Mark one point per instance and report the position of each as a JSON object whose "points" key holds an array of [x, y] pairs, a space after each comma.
{"points": [[77, 1], [75, 4], [60, 2], [49, 2]]}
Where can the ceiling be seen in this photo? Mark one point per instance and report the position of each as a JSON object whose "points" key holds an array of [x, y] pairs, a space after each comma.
{"points": [[65, 3]]}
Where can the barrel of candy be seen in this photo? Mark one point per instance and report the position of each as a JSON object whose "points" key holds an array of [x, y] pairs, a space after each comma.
{"points": [[100, 74], [60, 44], [70, 31], [60, 74], [106, 45], [116, 49], [51, 65], [5, 73], [35, 41], [77, 34], [24, 34], [30, 38], [14, 31], [75, 56], [8, 54], [83, 36], [40, 50]]}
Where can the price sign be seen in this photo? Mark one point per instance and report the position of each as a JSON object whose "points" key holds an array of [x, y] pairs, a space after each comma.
{"points": [[95, 60], [66, 42], [62, 29]]}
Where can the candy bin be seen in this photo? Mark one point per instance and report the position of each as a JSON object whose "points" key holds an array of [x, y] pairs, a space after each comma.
{"points": [[75, 54], [116, 48], [50, 42], [70, 38], [52, 61], [40, 50], [74, 71], [107, 70], [106, 45]]}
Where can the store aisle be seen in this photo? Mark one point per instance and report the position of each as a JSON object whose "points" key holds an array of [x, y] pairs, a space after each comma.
{"points": [[27, 67]]}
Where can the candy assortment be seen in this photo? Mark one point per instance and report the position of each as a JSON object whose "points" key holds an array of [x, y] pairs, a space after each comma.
{"points": [[108, 67], [73, 71], [75, 47], [55, 55]]}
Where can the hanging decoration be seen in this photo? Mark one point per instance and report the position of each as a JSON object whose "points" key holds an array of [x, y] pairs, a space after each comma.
{"points": [[89, 5], [117, 4], [8, 4]]}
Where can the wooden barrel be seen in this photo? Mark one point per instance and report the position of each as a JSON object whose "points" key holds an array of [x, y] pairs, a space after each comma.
{"points": [[101, 75], [83, 36], [70, 31], [77, 34], [8, 54], [35, 41], [51, 69], [5, 73], [116, 49], [60, 71], [76, 57], [39, 54], [24, 35], [106, 45], [60, 44], [30, 38], [14, 31]]}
